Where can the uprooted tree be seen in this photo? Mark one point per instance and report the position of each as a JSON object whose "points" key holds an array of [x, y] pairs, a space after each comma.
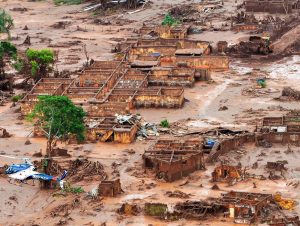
{"points": [[40, 62], [6, 23], [59, 119]]}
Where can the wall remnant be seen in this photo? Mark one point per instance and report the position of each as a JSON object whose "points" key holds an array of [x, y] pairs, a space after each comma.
{"points": [[110, 188], [174, 159]]}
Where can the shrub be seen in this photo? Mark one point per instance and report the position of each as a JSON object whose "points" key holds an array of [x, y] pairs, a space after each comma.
{"points": [[16, 98], [40, 61], [68, 2], [6, 22], [165, 123], [170, 21]]}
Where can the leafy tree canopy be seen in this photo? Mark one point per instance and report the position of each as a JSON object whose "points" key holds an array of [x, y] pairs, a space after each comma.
{"points": [[6, 48], [40, 61], [59, 117], [6, 22]]}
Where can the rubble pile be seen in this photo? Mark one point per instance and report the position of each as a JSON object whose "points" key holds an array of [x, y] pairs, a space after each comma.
{"points": [[64, 210], [186, 13], [83, 169], [197, 13], [177, 194], [290, 93], [129, 209]]}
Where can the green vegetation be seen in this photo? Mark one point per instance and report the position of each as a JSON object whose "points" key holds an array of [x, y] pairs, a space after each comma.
{"points": [[75, 190], [41, 62], [59, 118], [165, 123], [68, 2], [19, 64], [6, 22], [170, 21], [7, 50], [16, 98], [156, 209]]}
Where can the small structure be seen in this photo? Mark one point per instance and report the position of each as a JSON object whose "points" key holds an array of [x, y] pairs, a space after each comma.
{"points": [[222, 46], [279, 6], [285, 129], [106, 129], [110, 188], [199, 210], [227, 173], [245, 207], [167, 32], [174, 159]]}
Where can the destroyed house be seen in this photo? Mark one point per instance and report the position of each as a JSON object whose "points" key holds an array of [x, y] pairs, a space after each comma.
{"points": [[167, 32], [110, 188], [160, 76], [169, 47], [174, 159], [245, 207], [45, 86], [226, 173], [109, 129], [281, 124], [285, 221], [284, 130], [131, 90], [145, 62], [199, 210], [211, 62], [271, 6]]}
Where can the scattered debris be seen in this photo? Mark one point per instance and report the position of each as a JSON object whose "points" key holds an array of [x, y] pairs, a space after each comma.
{"points": [[287, 204], [4, 133], [223, 108], [129, 209], [177, 194]]}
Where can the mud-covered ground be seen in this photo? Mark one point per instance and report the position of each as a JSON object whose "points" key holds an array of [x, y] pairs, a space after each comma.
{"points": [[236, 89]]}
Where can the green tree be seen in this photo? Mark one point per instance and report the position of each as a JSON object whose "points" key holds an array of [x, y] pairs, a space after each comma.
{"points": [[7, 51], [170, 21], [58, 118], [41, 62], [6, 23]]}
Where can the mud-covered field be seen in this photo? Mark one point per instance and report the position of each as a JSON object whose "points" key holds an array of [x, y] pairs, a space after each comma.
{"points": [[67, 29]]}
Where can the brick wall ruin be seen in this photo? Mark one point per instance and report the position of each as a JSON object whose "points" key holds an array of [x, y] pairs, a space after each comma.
{"points": [[172, 160], [270, 6]]}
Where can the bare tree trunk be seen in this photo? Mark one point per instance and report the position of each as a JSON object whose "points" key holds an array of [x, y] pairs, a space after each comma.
{"points": [[49, 146], [46, 163], [285, 7]]}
